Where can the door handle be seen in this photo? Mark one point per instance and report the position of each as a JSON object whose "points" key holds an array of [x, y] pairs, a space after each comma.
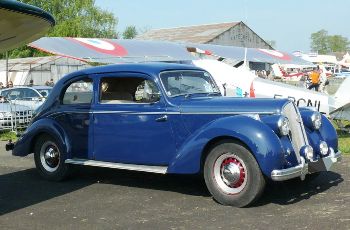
{"points": [[162, 118]]}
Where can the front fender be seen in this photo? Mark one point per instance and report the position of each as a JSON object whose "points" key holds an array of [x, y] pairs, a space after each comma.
{"points": [[260, 139], [25, 143]]}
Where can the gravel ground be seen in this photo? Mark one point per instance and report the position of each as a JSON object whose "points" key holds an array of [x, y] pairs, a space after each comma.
{"points": [[96, 198]]}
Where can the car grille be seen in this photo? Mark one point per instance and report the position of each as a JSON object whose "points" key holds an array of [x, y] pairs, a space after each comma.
{"points": [[298, 134]]}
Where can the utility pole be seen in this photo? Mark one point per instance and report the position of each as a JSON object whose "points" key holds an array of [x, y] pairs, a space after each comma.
{"points": [[7, 68]]}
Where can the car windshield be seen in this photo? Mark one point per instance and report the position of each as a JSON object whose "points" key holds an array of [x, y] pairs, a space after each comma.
{"points": [[188, 82]]}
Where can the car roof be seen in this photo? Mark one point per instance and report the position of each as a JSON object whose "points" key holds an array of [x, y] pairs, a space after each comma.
{"points": [[41, 87], [150, 67], [27, 87]]}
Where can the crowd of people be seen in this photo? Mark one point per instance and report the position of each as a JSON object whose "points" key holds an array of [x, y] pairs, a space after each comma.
{"points": [[8, 85], [31, 83]]}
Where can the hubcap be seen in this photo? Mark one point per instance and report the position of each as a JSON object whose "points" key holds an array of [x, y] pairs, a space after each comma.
{"points": [[230, 173], [49, 156]]}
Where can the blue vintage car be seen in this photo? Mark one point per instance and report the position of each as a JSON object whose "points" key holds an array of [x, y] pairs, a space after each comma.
{"points": [[170, 118]]}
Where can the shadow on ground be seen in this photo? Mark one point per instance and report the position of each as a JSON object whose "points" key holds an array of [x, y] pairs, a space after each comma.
{"points": [[293, 191], [25, 188]]}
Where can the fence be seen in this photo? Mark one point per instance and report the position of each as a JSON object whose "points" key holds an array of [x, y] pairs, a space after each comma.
{"points": [[14, 117]]}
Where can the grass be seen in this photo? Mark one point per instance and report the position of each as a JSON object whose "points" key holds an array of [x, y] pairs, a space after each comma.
{"points": [[7, 135], [344, 143]]}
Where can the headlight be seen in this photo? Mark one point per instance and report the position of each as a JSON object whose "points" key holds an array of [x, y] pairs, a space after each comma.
{"points": [[283, 125], [316, 119], [323, 148], [308, 152]]}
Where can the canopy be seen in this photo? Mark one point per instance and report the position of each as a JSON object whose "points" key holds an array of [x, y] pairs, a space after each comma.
{"points": [[21, 23]]}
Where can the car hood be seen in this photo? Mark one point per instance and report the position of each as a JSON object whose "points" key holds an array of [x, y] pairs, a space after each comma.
{"points": [[230, 105]]}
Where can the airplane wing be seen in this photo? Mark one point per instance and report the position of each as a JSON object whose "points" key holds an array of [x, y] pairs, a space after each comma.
{"points": [[21, 23], [113, 50], [117, 51], [253, 54]]}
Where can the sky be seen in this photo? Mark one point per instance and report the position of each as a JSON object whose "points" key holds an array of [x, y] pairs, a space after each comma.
{"points": [[288, 23]]}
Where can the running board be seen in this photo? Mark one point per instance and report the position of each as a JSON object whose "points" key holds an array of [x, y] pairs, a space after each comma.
{"points": [[104, 164]]}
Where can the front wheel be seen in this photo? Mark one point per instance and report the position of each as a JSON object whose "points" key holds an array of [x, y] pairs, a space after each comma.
{"points": [[232, 174], [49, 159]]}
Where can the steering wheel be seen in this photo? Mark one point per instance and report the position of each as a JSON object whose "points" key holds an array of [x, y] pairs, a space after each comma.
{"points": [[174, 91]]}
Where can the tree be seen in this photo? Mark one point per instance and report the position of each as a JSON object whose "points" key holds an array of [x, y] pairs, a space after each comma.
{"points": [[130, 32], [338, 43], [74, 18], [323, 43], [319, 42]]}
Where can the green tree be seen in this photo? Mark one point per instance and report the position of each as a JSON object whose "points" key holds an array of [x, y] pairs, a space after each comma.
{"points": [[130, 32], [319, 42], [338, 43], [74, 18]]}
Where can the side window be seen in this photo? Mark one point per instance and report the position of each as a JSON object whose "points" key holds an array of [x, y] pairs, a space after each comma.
{"points": [[5, 93], [79, 92], [115, 90]]}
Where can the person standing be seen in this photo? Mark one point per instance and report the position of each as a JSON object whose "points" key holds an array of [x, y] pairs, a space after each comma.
{"points": [[323, 81], [315, 79]]}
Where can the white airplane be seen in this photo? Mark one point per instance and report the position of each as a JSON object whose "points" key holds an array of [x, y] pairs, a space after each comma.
{"points": [[242, 82], [232, 81]]}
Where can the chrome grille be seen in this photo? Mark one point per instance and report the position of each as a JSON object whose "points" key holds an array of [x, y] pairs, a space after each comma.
{"points": [[297, 135]]}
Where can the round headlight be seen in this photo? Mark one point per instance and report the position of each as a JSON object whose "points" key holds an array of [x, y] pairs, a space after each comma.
{"points": [[316, 119], [323, 148], [283, 126], [308, 152]]}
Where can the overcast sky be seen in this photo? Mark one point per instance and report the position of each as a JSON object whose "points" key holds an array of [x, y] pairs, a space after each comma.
{"points": [[289, 23]]}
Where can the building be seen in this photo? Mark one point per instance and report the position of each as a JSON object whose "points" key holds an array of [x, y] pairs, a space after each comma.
{"points": [[38, 69], [227, 34]]}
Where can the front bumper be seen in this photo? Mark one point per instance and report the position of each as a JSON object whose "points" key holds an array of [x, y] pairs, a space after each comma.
{"points": [[323, 164]]}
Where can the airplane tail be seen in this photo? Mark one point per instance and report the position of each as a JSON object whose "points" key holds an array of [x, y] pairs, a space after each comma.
{"points": [[342, 101], [342, 96]]}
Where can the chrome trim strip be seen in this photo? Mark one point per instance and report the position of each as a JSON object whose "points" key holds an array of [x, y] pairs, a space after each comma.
{"points": [[164, 113], [133, 167], [229, 112]]}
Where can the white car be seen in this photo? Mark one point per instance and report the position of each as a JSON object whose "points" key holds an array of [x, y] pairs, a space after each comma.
{"points": [[33, 97]]}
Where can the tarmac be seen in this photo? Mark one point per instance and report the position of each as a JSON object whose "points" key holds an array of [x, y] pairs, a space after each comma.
{"points": [[100, 198]]}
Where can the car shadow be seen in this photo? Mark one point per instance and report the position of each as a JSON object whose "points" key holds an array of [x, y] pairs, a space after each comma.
{"points": [[295, 190], [25, 188], [185, 184]]}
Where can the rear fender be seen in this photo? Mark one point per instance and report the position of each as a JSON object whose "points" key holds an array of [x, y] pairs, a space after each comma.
{"points": [[25, 144], [258, 137]]}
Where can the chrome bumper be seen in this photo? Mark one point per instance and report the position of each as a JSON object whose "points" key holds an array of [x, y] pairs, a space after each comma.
{"points": [[324, 164]]}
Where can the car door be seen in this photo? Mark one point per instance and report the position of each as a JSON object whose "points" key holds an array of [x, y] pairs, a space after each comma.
{"points": [[74, 115], [129, 126]]}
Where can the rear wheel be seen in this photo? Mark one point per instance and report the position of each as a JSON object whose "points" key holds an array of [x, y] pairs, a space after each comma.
{"points": [[49, 158], [232, 174]]}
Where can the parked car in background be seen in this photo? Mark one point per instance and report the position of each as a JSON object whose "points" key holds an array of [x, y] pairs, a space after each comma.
{"points": [[13, 116], [32, 97], [169, 118]]}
